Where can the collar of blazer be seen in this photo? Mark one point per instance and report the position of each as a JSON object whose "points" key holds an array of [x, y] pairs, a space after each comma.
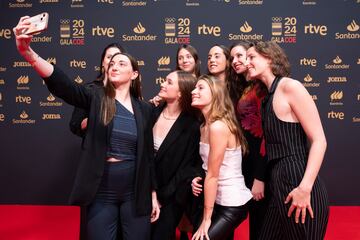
{"points": [[181, 123]]}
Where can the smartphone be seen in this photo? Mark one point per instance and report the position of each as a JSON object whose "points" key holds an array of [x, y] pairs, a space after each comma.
{"points": [[38, 24]]}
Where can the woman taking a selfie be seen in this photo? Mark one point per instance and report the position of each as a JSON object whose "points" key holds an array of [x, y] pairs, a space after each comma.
{"points": [[115, 177]]}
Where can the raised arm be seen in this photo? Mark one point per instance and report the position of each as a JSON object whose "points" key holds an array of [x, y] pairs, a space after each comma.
{"points": [[41, 66], [57, 82]]}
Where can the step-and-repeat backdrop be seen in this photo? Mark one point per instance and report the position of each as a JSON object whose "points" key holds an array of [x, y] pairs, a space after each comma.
{"points": [[38, 153]]}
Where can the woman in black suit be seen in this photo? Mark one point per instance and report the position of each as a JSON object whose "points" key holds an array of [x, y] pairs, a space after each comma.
{"points": [[115, 177], [176, 143], [78, 122]]}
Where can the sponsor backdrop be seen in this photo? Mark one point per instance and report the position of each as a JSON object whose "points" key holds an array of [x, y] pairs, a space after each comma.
{"points": [[38, 153]]}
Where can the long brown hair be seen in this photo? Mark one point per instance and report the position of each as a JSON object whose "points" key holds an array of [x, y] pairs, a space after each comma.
{"points": [[226, 52], [222, 109], [186, 82], [108, 107], [101, 75], [238, 84], [193, 53]]}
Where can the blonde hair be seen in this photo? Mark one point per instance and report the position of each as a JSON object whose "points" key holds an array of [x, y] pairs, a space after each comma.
{"points": [[222, 109]]}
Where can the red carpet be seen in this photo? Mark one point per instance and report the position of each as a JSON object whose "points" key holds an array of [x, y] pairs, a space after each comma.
{"points": [[23, 222], [344, 224]]}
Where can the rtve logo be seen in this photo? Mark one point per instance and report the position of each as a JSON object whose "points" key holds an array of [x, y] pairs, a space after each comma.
{"points": [[164, 61], [209, 30], [106, 1], [308, 62], [5, 33], [315, 29], [100, 31], [159, 80], [139, 29], [2, 117], [336, 115], [78, 64], [23, 99]]}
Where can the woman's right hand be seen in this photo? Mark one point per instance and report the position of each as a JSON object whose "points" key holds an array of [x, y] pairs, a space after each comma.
{"points": [[196, 186], [155, 100], [22, 40]]}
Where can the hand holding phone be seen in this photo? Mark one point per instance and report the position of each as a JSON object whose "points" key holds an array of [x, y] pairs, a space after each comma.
{"points": [[38, 24]]}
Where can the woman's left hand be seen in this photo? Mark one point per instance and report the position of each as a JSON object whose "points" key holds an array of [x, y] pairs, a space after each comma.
{"points": [[202, 232], [300, 203], [155, 213]]}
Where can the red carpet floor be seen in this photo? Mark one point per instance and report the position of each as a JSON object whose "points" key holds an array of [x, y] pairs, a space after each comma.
{"points": [[23, 222]]}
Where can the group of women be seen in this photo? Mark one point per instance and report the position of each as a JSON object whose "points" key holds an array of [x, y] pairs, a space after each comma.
{"points": [[244, 138]]}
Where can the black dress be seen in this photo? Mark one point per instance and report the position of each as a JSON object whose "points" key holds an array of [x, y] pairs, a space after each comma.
{"points": [[286, 147]]}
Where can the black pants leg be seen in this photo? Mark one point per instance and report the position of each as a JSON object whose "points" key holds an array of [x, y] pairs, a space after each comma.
{"points": [[286, 175], [225, 220], [164, 228], [113, 204]]}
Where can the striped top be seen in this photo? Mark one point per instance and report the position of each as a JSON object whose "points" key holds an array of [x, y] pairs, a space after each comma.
{"points": [[282, 138], [123, 139]]}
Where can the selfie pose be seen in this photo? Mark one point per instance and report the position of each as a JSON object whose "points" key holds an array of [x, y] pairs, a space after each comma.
{"points": [[115, 177]]}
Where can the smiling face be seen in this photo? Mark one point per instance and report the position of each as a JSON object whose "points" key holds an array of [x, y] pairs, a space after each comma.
{"points": [[169, 89], [238, 54], [201, 95], [121, 71], [217, 61], [107, 57], [257, 64], [186, 61]]}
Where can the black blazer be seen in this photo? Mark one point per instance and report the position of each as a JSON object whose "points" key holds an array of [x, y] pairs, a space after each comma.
{"points": [[97, 138], [176, 158], [79, 114]]}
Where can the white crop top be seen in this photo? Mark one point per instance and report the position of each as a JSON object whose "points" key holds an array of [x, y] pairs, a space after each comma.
{"points": [[231, 191]]}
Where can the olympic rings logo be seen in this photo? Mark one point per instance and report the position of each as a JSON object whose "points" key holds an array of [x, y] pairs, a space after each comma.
{"points": [[276, 19], [170, 20]]}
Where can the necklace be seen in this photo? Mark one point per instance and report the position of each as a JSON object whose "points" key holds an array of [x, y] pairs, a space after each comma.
{"points": [[168, 118]]}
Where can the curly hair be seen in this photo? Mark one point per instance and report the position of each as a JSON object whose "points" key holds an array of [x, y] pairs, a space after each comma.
{"points": [[280, 65]]}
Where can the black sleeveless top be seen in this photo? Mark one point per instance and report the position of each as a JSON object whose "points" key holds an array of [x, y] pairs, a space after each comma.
{"points": [[282, 138]]}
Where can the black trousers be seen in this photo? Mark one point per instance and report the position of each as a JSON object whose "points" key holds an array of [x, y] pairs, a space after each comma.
{"points": [[164, 228], [257, 212], [224, 221], [113, 204], [285, 175]]}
